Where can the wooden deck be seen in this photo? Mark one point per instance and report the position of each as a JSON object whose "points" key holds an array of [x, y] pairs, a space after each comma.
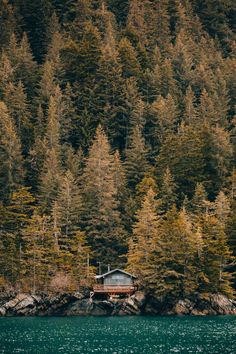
{"points": [[113, 289]]}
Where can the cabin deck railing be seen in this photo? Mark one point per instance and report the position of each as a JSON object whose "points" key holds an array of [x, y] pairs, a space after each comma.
{"points": [[101, 288]]}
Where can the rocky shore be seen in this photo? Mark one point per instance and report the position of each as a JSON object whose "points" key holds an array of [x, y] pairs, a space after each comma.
{"points": [[79, 305]]}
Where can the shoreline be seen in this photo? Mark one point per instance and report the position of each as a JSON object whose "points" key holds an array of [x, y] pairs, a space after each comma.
{"points": [[78, 304]]}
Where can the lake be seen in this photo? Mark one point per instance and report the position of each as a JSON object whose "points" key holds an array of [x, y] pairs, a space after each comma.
{"points": [[118, 335]]}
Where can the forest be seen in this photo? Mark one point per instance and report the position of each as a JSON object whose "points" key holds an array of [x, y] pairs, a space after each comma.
{"points": [[118, 144]]}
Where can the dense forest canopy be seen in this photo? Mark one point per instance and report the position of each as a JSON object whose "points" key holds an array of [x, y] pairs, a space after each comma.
{"points": [[118, 143]]}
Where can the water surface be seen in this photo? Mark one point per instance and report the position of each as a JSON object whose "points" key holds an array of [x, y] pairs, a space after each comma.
{"points": [[118, 335]]}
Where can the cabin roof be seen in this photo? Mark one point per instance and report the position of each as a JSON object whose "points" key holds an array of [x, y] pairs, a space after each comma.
{"points": [[113, 271]]}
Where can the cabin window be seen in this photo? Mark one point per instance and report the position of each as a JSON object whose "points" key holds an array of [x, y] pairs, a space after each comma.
{"points": [[117, 276], [117, 279]]}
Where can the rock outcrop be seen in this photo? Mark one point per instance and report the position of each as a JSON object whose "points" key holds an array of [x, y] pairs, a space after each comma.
{"points": [[78, 304], [213, 304]]}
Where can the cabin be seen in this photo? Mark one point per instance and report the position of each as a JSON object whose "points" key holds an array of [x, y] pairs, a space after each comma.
{"points": [[115, 282]]}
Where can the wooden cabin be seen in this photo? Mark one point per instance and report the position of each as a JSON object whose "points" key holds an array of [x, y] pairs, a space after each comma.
{"points": [[114, 282]]}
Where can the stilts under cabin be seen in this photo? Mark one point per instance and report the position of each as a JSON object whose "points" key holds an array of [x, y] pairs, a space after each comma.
{"points": [[115, 282]]}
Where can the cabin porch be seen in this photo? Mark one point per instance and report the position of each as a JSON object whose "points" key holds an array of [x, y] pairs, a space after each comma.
{"points": [[113, 289]]}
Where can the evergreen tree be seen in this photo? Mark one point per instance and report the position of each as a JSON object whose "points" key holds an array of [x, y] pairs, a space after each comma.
{"points": [[50, 179], [9, 22], [217, 18], [68, 205], [179, 274], [47, 84], [80, 57], [167, 191], [20, 208], [158, 28], [145, 241], [190, 112], [12, 169], [6, 72], [36, 16], [101, 216], [51, 169], [166, 117], [69, 117], [216, 257], [222, 208], [120, 9], [183, 153], [83, 271], [198, 153], [128, 59], [119, 176], [9, 264], [38, 251], [22, 60], [111, 95], [136, 159], [231, 233], [199, 202], [16, 100]]}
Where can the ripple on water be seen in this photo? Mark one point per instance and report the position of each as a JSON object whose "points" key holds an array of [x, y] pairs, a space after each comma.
{"points": [[115, 335]]}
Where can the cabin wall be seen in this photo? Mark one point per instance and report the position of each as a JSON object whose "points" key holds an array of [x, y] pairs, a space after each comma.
{"points": [[118, 279]]}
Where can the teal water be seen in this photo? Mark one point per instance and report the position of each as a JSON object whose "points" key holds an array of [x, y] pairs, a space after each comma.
{"points": [[118, 335]]}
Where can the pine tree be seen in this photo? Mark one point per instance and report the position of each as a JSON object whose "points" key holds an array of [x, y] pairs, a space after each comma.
{"points": [[216, 257], [187, 20], [207, 111], [119, 176], [83, 271], [38, 254], [73, 161], [120, 9], [218, 151], [16, 101], [22, 60], [69, 118], [136, 22], [179, 274], [12, 170], [20, 208], [216, 18], [158, 20], [231, 233], [148, 182], [128, 59], [198, 153], [47, 84], [80, 57], [9, 22], [190, 112], [183, 153], [222, 208], [16, 215], [6, 73], [51, 169], [136, 159], [68, 205], [50, 179], [27, 69], [167, 191], [9, 264], [101, 216], [166, 116], [111, 96], [199, 202], [135, 107], [144, 242], [36, 16]]}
